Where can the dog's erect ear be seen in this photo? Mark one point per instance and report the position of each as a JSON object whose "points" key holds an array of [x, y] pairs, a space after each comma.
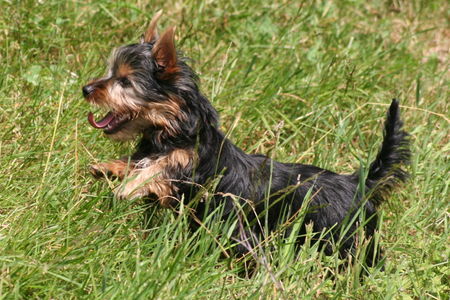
{"points": [[164, 52], [151, 34]]}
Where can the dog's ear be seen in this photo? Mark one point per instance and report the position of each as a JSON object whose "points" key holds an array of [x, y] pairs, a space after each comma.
{"points": [[165, 54], [151, 34]]}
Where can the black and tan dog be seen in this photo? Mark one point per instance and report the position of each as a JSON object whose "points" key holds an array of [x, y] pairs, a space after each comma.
{"points": [[152, 94]]}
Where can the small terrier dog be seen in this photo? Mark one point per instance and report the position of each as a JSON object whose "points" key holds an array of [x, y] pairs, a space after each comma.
{"points": [[151, 93]]}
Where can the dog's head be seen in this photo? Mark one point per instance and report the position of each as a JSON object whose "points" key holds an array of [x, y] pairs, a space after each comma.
{"points": [[147, 87]]}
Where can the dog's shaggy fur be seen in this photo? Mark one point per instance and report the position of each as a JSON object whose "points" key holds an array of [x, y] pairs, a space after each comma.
{"points": [[153, 94]]}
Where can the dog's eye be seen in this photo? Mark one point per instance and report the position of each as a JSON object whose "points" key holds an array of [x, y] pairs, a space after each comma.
{"points": [[124, 81]]}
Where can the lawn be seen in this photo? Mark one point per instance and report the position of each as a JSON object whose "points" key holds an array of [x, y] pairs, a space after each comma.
{"points": [[301, 81]]}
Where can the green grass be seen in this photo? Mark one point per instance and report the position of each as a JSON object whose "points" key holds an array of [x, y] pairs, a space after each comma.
{"points": [[304, 83]]}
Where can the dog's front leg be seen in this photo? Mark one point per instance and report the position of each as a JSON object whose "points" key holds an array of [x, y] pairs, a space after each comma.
{"points": [[151, 180], [112, 169]]}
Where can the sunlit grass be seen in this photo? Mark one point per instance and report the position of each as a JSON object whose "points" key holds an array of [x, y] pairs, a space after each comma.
{"points": [[305, 83]]}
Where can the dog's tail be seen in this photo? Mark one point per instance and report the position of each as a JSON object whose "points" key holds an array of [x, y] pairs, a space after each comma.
{"points": [[387, 170]]}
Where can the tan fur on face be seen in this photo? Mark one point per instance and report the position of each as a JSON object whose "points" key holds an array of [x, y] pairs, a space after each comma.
{"points": [[110, 95], [100, 96], [153, 177], [124, 70], [165, 114], [124, 101]]}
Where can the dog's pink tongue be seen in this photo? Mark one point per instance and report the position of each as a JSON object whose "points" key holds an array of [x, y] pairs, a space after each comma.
{"points": [[103, 122]]}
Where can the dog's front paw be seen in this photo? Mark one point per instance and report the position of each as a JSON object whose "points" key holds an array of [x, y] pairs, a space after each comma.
{"points": [[112, 170], [98, 171]]}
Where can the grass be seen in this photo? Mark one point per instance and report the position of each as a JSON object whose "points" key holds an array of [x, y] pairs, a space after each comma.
{"points": [[302, 81]]}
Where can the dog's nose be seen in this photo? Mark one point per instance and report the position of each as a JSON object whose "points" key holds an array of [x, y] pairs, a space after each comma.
{"points": [[87, 89]]}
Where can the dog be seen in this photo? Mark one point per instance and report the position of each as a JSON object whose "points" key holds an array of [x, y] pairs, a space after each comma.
{"points": [[152, 94]]}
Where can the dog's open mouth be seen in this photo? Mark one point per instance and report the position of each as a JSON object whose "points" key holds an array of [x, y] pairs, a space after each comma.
{"points": [[110, 123]]}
